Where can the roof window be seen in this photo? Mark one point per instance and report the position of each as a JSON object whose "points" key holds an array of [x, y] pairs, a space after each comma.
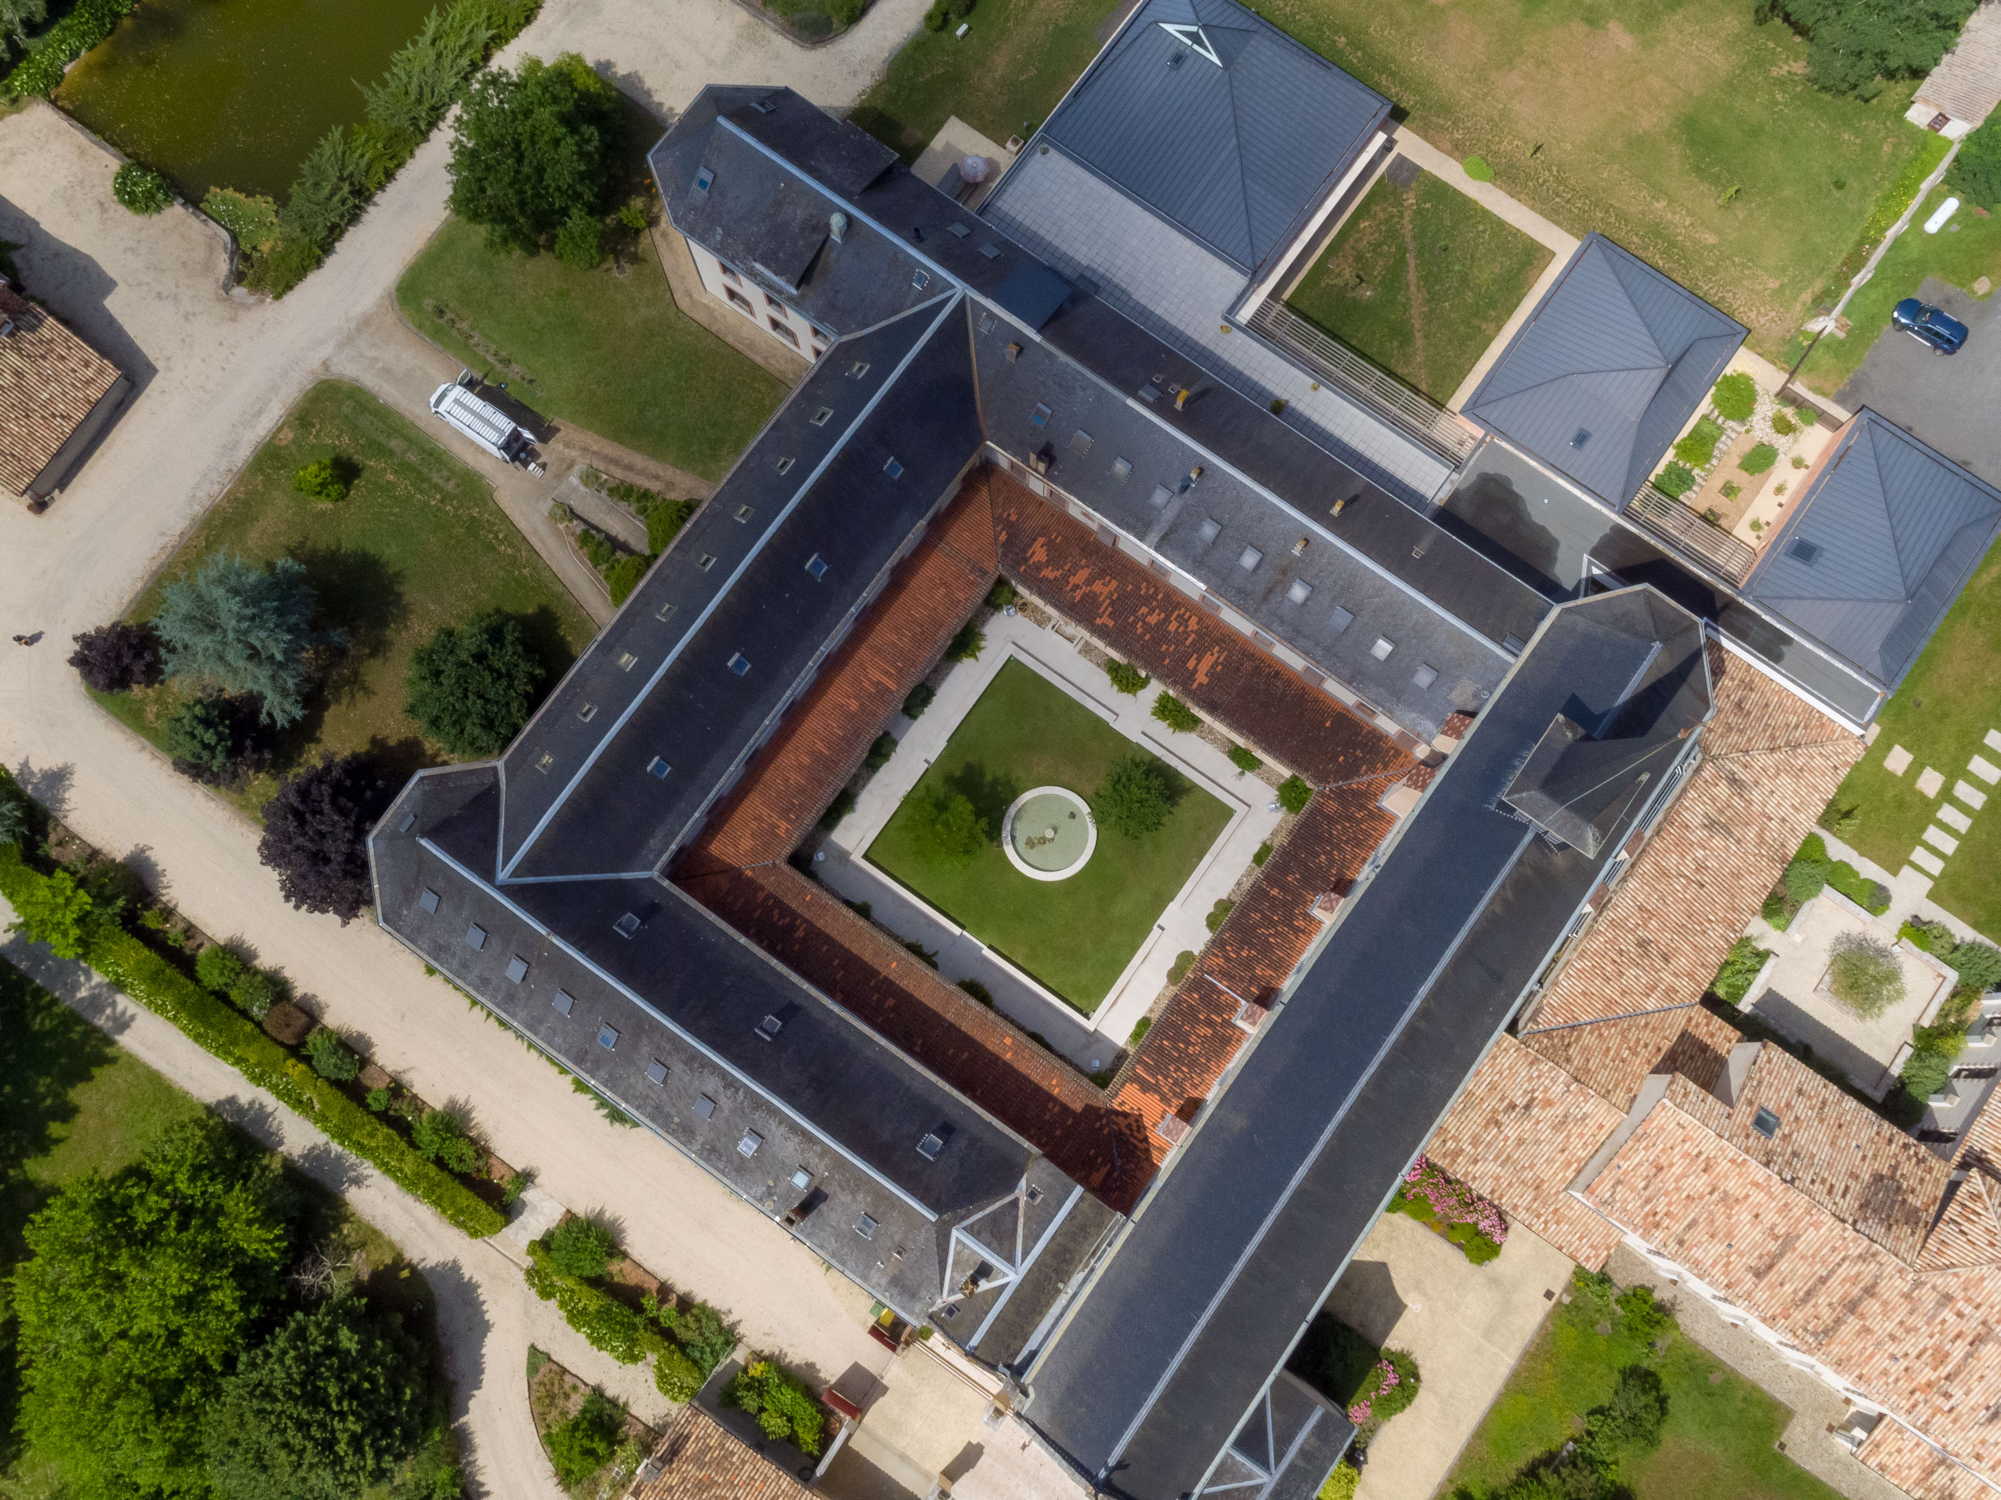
{"points": [[1249, 558], [1160, 496], [920, 278], [627, 660], [1424, 676], [1800, 550], [1040, 416], [1122, 468], [1340, 620], [428, 901], [748, 1143], [816, 567], [1382, 648], [1210, 529], [545, 762], [744, 513], [626, 925], [990, 250], [1080, 441], [656, 1071], [706, 561], [986, 322], [784, 465], [933, 1142], [770, 1026], [704, 179], [1765, 1123], [857, 369], [1034, 1194], [563, 1001], [823, 416], [517, 968], [665, 611], [801, 1178], [475, 937], [607, 1035], [409, 819], [705, 1108], [740, 664], [866, 1226], [587, 712], [894, 468], [957, 230], [658, 769], [1300, 591]]}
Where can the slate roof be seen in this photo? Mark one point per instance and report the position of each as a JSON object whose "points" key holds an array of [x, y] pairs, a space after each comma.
{"points": [[1257, 1212], [50, 381], [1877, 548], [1605, 372], [1219, 122]]}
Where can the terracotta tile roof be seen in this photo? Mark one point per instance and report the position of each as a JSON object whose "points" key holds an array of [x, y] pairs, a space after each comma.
{"points": [[1769, 765], [49, 381], [1613, 1058], [1919, 1469], [1164, 633], [698, 1460], [1968, 1232], [1195, 1036], [1520, 1133]]}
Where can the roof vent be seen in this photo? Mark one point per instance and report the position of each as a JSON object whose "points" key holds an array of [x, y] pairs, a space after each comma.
{"points": [[1801, 550], [837, 227]]}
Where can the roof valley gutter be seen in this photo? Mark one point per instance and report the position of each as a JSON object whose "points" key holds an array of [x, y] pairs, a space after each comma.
{"points": [[945, 302]]}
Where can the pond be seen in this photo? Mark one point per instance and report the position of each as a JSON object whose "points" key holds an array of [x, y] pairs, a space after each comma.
{"points": [[233, 93]]}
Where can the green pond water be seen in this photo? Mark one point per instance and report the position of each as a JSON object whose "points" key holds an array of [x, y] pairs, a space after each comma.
{"points": [[233, 93]]}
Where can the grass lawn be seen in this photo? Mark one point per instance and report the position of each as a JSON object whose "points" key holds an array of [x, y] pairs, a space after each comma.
{"points": [[1074, 935], [604, 349], [1420, 279], [1720, 1428], [1002, 79], [1682, 130], [418, 543], [1941, 715], [1968, 248]]}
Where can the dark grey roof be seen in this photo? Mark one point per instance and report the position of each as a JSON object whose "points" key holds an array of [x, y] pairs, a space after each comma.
{"points": [[1219, 122], [684, 996], [1257, 1213], [1607, 369], [592, 808], [1878, 547]]}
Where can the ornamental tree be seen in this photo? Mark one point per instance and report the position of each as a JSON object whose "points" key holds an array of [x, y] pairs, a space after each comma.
{"points": [[118, 657], [1136, 797], [948, 826], [242, 629], [532, 148], [1864, 975], [316, 831], [472, 686], [217, 740], [61, 913]]}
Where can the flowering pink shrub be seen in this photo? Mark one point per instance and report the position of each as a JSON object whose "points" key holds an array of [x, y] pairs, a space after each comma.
{"points": [[1389, 1387], [1450, 1201], [1385, 1379]]}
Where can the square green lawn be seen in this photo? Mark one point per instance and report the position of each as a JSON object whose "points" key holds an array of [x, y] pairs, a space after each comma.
{"points": [[1077, 935], [1420, 279], [418, 543], [1720, 1433], [1941, 715]]}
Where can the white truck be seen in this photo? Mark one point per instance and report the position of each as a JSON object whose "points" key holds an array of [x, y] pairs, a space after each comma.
{"points": [[458, 407]]}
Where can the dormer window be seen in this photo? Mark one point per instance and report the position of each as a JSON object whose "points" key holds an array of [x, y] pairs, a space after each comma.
{"points": [[769, 1027]]}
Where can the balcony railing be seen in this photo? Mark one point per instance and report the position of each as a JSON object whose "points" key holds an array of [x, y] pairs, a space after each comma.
{"points": [[1690, 532]]}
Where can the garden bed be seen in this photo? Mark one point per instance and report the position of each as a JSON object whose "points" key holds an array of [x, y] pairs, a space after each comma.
{"points": [[1371, 1385], [1811, 869], [556, 1396], [1451, 1210]]}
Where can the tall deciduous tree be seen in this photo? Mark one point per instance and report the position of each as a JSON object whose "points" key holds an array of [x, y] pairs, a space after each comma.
{"points": [[60, 912], [472, 685], [533, 147], [326, 1407], [243, 629], [1853, 45], [315, 833], [138, 1293]]}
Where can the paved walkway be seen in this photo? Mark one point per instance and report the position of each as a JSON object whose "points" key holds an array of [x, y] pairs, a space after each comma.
{"points": [[1972, 786], [1465, 1325], [1091, 1042]]}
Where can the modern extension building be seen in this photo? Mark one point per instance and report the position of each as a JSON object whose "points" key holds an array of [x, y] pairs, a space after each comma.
{"points": [[1500, 683]]}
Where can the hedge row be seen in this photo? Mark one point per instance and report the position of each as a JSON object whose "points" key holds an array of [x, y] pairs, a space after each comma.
{"points": [[129, 965], [606, 1323], [62, 44]]}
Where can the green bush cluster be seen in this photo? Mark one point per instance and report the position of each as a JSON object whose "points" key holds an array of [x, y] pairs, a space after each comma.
{"points": [[1735, 397], [1699, 447], [224, 972], [1342, 1483], [1244, 760], [1934, 1049], [783, 1406], [1811, 869], [967, 644], [1294, 793], [88, 23], [581, 1446], [1003, 594], [440, 1135], [919, 700], [1675, 480], [1784, 425], [129, 965], [581, 1247], [141, 189], [250, 218], [1175, 714], [1761, 457], [326, 478], [1739, 968], [1126, 678], [946, 14], [879, 752], [604, 1322], [331, 1056]]}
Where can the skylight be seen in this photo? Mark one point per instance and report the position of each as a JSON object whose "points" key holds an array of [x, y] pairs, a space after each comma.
{"points": [[658, 769], [740, 664], [1765, 1123], [517, 968], [607, 1035], [475, 937], [704, 179], [748, 1143], [1300, 591], [626, 925], [816, 566], [428, 901], [823, 416], [563, 1000], [894, 468], [865, 1226], [656, 1071]]}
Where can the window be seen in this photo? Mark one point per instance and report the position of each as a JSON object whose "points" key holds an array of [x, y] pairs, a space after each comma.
{"points": [[865, 1226], [1160, 497], [1040, 416], [744, 513], [664, 612], [517, 968], [783, 330], [1249, 558], [932, 1143], [773, 305], [1765, 1123], [656, 1071], [740, 302], [544, 761], [704, 179], [1210, 529], [749, 1142], [627, 660], [587, 712], [1425, 675], [1340, 620], [1382, 648], [894, 468], [986, 322], [475, 937], [730, 276], [706, 561], [705, 1108], [1300, 591], [428, 901], [563, 1000], [409, 819], [1080, 441], [1122, 468], [784, 465], [990, 250], [769, 1027], [920, 279], [816, 567], [1034, 1194], [626, 925], [823, 416], [858, 369], [658, 768], [740, 664], [607, 1035], [957, 230]]}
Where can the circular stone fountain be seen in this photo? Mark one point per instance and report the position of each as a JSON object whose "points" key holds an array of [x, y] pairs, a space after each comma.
{"points": [[1048, 833]]}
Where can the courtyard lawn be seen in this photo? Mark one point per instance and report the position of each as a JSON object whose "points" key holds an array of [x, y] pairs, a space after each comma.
{"points": [[607, 350], [1003, 78], [1720, 1432], [418, 543], [1420, 279], [1942, 714], [1076, 935], [1968, 248], [1685, 132]]}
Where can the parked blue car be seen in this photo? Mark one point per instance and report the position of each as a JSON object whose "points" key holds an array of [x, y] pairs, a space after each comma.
{"points": [[1936, 329]]}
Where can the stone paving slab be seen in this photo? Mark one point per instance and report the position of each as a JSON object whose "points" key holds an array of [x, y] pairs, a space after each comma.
{"points": [[1940, 840], [1985, 769], [1971, 796], [1994, 739], [1912, 885], [1927, 861], [1953, 818], [1930, 781], [1897, 761]]}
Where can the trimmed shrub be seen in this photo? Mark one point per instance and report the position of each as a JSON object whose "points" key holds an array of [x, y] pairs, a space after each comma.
{"points": [[1475, 1246], [1478, 169], [605, 1323], [1739, 968], [441, 1135], [1244, 760], [218, 740], [150, 980], [1979, 965], [1294, 793], [1760, 458], [331, 1056], [1342, 1483], [1735, 397], [1784, 425], [978, 991], [326, 478], [254, 993], [1175, 714], [1675, 480], [1864, 975], [1699, 447], [675, 1375], [1136, 797], [1140, 1028], [585, 1443], [879, 752], [218, 967], [377, 1100], [1642, 1315], [1183, 962], [1262, 854], [784, 1408], [967, 644], [581, 1247], [1126, 678], [1390, 1386], [919, 700], [1218, 915], [1804, 879], [1934, 1049]]}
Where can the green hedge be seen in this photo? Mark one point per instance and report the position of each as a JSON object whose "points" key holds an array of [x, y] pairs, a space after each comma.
{"points": [[55, 49], [606, 1323], [131, 966]]}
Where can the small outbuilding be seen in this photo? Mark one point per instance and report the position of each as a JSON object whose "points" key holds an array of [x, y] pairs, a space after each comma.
{"points": [[57, 394]]}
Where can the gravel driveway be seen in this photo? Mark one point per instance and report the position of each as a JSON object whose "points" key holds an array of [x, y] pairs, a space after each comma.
{"points": [[1952, 402]]}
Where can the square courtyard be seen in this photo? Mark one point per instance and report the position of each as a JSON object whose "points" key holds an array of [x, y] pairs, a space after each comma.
{"points": [[1075, 935]]}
